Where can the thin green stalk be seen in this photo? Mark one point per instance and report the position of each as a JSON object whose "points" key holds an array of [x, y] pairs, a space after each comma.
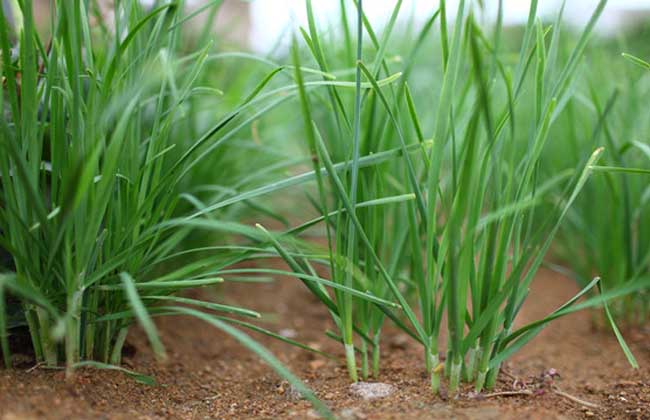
{"points": [[351, 234]]}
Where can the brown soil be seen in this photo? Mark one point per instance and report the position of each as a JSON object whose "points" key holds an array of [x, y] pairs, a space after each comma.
{"points": [[210, 376]]}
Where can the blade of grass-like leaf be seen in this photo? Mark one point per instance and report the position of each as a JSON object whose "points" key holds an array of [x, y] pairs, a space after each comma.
{"points": [[142, 315], [207, 305], [364, 204], [261, 60], [317, 51], [617, 333], [144, 379], [636, 60], [262, 84], [282, 338], [164, 285], [597, 168], [198, 11]]}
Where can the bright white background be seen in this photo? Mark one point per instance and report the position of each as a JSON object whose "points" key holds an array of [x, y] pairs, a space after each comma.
{"points": [[271, 17]]}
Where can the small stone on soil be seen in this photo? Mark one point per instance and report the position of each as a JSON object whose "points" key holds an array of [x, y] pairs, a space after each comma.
{"points": [[371, 390], [288, 333]]}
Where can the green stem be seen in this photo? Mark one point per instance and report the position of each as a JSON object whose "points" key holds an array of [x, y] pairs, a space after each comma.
{"points": [[480, 380], [104, 338], [116, 355], [448, 363], [48, 346], [351, 362], [376, 352], [454, 375], [72, 330], [71, 345], [435, 372], [33, 325], [91, 328], [484, 361], [471, 363], [478, 355], [492, 377], [364, 360], [464, 372]]}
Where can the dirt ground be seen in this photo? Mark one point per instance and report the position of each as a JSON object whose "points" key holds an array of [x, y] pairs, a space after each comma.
{"points": [[209, 375]]}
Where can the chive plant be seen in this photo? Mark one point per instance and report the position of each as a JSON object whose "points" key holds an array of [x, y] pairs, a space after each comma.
{"points": [[468, 243], [508, 239], [79, 178], [100, 137], [482, 249], [358, 229]]}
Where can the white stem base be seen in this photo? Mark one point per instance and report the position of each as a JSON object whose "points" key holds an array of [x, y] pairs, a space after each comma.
{"points": [[351, 362]]}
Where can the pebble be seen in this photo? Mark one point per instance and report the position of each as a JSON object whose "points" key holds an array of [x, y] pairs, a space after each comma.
{"points": [[288, 333], [371, 390]]}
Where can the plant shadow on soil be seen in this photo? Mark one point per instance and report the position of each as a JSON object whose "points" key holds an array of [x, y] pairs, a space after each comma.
{"points": [[209, 375]]}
